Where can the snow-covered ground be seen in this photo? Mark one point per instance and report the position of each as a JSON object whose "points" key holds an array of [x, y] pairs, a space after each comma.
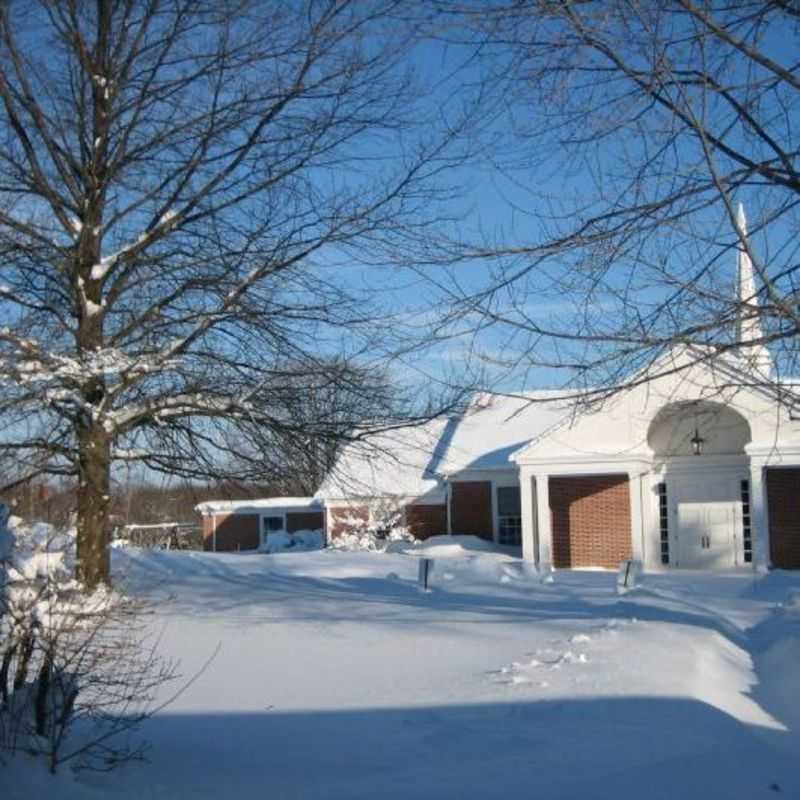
{"points": [[335, 677]]}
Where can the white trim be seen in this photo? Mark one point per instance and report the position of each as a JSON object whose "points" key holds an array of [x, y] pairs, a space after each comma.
{"points": [[530, 550], [636, 516], [701, 463], [759, 518], [774, 455], [544, 528], [566, 467]]}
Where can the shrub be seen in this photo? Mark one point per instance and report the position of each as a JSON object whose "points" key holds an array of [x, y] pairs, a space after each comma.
{"points": [[78, 671]]}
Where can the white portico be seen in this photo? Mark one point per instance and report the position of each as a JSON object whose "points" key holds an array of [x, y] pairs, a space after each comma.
{"points": [[684, 509]]}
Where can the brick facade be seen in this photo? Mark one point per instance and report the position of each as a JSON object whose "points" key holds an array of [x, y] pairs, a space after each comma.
{"points": [[207, 527], [425, 521], [783, 511], [337, 519], [304, 521], [236, 532], [471, 508], [591, 521]]}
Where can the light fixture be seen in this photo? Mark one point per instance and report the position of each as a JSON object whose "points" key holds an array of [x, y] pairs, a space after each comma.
{"points": [[697, 442]]}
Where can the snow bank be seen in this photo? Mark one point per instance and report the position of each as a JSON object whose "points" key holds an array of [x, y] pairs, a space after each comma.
{"points": [[454, 546], [299, 541]]}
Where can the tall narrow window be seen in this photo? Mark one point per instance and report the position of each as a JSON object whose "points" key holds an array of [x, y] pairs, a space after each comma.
{"points": [[747, 529], [663, 522], [509, 515]]}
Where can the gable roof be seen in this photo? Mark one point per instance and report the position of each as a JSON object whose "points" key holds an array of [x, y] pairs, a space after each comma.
{"points": [[684, 375], [413, 461]]}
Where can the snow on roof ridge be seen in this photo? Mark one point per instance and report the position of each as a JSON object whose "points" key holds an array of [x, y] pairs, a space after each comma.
{"points": [[211, 506]]}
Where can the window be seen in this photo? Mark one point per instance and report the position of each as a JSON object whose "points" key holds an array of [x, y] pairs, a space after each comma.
{"points": [[663, 522], [747, 530], [271, 524], [509, 516]]}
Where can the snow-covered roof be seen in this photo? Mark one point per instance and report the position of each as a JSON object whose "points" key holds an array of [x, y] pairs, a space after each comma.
{"points": [[257, 505], [414, 461], [495, 426], [393, 462]]}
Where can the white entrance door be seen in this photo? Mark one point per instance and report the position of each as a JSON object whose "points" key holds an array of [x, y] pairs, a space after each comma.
{"points": [[705, 535], [704, 523]]}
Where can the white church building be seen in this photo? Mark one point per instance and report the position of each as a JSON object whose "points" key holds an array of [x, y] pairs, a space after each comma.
{"points": [[698, 466]]}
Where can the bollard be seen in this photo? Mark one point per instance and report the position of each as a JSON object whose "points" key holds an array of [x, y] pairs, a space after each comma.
{"points": [[628, 575], [425, 569]]}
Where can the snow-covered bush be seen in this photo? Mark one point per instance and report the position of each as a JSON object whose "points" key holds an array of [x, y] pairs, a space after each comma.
{"points": [[76, 669], [382, 525]]}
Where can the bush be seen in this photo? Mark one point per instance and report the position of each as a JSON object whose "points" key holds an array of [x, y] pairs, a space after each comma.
{"points": [[382, 526], [77, 670]]}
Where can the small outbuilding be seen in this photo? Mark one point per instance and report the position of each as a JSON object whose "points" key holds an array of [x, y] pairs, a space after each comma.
{"points": [[232, 525]]}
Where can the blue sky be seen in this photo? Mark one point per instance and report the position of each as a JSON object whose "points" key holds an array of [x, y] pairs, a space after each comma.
{"points": [[514, 200]]}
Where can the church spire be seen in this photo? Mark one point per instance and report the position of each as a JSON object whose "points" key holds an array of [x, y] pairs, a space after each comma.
{"points": [[748, 319]]}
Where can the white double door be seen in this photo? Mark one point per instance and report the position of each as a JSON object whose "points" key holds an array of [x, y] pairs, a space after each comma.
{"points": [[705, 521]]}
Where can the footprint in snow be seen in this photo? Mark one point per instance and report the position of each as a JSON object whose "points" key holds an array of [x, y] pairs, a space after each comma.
{"points": [[519, 673], [574, 658]]}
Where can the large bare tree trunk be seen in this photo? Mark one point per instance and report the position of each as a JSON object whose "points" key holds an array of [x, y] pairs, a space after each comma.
{"points": [[93, 506]]}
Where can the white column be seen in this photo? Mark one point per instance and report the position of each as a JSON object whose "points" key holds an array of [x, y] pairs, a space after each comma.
{"points": [[528, 511], [637, 516], [759, 524], [543, 527]]}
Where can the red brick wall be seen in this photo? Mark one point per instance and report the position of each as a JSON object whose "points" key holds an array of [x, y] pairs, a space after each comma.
{"points": [[207, 526], [336, 519], [783, 511], [304, 521], [237, 532], [591, 519], [426, 520], [471, 508]]}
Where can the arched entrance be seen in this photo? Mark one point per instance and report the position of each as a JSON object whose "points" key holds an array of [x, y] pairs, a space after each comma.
{"points": [[703, 490]]}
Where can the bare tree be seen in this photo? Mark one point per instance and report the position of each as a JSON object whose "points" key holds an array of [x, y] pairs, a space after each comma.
{"points": [[321, 409], [627, 134], [184, 186]]}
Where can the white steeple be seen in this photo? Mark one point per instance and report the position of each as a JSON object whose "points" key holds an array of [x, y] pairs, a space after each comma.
{"points": [[748, 321]]}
